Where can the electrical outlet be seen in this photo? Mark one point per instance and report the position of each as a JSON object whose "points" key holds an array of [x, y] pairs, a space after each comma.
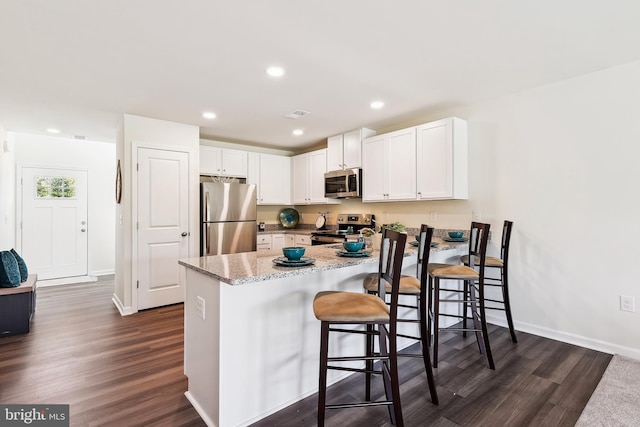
{"points": [[434, 215], [200, 306], [477, 215], [627, 303], [386, 216]]}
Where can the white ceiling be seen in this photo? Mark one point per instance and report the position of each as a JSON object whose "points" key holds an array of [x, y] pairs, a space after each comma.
{"points": [[79, 65]]}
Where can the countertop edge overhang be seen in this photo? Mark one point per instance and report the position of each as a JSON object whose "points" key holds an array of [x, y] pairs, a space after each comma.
{"points": [[252, 267]]}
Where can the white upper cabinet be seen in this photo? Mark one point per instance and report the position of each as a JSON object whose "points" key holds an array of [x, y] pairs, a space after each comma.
{"points": [[272, 175], [307, 184], [442, 160], [223, 162], [389, 166], [345, 151]]}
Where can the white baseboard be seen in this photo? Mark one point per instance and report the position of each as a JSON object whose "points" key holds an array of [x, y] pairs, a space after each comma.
{"points": [[124, 311], [593, 344], [66, 281], [199, 409], [103, 272]]}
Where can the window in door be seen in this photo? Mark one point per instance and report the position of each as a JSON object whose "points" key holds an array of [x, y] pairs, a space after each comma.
{"points": [[55, 187]]}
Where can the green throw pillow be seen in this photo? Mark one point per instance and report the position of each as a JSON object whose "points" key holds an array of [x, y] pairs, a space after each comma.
{"points": [[22, 266], [9, 271]]}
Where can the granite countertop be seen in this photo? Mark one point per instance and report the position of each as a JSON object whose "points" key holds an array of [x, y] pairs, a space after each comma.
{"points": [[249, 267]]}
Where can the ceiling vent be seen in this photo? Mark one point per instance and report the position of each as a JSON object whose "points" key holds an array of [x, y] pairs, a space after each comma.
{"points": [[81, 137], [296, 114]]}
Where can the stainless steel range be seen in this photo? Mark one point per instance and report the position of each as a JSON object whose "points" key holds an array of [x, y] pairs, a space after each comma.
{"points": [[347, 224]]}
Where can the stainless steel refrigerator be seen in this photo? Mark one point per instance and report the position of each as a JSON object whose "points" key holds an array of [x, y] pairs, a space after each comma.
{"points": [[228, 218]]}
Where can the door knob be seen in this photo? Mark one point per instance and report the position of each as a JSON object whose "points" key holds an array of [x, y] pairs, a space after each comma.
{"points": [[184, 234], [83, 229]]}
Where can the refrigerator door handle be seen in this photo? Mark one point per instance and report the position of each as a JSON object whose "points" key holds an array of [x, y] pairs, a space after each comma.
{"points": [[207, 239], [206, 207]]}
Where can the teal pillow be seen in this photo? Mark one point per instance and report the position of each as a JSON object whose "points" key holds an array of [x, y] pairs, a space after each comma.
{"points": [[9, 271], [22, 266]]}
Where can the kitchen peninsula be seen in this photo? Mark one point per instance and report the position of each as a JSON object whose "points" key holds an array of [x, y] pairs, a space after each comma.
{"points": [[251, 339]]}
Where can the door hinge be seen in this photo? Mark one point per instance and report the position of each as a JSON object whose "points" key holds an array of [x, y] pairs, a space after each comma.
{"points": [[137, 225], [137, 167], [138, 284]]}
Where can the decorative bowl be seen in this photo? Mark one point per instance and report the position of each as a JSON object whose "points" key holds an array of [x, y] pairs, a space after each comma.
{"points": [[352, 246], [293, 253], [456, 234]]}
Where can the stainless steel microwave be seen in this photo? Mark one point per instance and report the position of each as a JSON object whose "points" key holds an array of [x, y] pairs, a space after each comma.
{"points": [[343, 184]]}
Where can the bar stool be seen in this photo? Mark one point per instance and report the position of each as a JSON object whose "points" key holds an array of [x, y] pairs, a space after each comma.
{"points": [[413, 287], [352, 308], [473, 281], [502, 264]]}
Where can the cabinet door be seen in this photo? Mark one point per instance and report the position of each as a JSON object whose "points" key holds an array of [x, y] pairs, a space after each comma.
{"points": [[277, 241], [275, 180], [289, 240], [334, 153], [442, 160], [263, 242], [352, 149], [302, 240], [401, 165], [210, 160], [317, 162], [373, 169], [234, 163], [300, 178]]}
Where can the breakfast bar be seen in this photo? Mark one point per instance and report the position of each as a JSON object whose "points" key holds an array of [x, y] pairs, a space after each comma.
{"points": [[251, 340]]}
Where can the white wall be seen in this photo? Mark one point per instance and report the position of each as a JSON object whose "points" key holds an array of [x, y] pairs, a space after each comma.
{"points": [[7, 192], [98, 158], [563, 166], [142, 131]]}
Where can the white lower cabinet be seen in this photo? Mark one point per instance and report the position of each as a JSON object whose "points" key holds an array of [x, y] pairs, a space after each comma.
{"points": [[278, 241], [263, 242], [302, 240], [289, 240]]}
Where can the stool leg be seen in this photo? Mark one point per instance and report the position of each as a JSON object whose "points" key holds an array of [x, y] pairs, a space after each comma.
{"points": [[477, 324], [436, 319], [507, 303], [390, 376], [485, 332], [465, 308], [369, 349], [322, 386], [424, 338]]}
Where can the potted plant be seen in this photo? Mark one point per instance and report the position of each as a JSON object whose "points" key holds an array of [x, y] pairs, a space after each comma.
{"points": [[377, 238]]}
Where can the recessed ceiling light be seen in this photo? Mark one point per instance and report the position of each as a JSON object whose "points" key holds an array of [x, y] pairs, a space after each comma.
{"points": [[209, 115], [376, 105], [275, 71], [298, 132], [52, 130]]}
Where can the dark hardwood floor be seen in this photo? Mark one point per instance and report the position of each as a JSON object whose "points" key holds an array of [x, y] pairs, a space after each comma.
{"points": [[128, 371]]}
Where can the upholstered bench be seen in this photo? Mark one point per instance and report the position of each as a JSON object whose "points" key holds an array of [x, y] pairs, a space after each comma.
{"points": [[17, 305]]}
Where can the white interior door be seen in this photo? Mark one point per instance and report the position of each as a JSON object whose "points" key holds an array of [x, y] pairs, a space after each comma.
{"points": [[163, 225], [54, 222]]}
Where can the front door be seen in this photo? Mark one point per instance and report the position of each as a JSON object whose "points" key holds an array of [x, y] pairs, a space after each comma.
{"points": [[54, 222], [163, 224]]}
